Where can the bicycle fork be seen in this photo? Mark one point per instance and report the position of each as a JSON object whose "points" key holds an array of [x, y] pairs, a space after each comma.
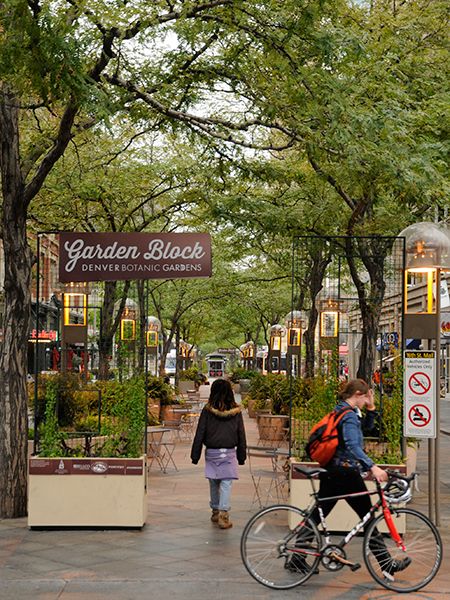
{"points": [[391, 525]]}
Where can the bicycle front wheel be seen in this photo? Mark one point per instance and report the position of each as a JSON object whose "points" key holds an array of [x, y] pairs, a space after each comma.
{"points": [[420, 561], [280, 548]]}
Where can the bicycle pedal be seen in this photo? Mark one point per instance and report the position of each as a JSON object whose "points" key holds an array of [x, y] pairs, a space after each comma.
{"points": [[355, 567]]}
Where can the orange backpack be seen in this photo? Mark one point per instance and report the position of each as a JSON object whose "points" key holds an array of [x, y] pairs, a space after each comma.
{"points": [[324, 438]]}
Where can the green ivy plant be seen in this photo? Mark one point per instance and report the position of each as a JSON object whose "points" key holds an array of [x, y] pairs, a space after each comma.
{"points": [[123, 420], [126, 430], [389, 449], [49, 434]]}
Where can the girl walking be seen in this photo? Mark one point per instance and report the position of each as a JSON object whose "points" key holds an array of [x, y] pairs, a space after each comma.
{"points": [[221, 430]]}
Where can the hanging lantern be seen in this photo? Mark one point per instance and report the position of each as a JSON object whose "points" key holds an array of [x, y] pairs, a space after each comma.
{"points": [[329, 318], [276, 332], [75, 304], [294, 327], [128, 323], [427, 251], [152, 333]]}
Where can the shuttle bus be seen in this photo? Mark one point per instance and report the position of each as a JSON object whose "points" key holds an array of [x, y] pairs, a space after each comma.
{"points": [[216, 365]]}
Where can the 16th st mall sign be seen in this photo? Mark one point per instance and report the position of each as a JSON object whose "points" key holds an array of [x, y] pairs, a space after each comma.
{"points": [[114, 256]]}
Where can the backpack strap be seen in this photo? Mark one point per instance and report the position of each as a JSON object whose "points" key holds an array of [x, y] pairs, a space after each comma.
{"points": [[340, 413]]}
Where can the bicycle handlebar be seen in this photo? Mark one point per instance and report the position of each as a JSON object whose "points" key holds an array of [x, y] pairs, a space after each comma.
{"points": [[396, 475]]}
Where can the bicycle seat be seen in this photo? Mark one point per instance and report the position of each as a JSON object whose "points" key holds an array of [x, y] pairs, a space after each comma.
{"points": [[309, 471]]}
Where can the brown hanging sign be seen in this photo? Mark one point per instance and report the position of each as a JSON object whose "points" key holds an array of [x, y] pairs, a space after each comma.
{"points": [[117, 256]]}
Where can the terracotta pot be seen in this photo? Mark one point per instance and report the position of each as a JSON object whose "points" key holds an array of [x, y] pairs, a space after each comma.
{"points": [[167, 413], [154, 407], [272, 427]]}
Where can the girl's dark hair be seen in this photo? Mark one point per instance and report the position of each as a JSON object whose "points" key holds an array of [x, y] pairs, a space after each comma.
{"points": [[349, 388], [221, 396]]}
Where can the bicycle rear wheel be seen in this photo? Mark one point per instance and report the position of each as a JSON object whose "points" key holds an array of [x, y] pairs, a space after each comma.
{"points": [[423, 548], [280, 548]]}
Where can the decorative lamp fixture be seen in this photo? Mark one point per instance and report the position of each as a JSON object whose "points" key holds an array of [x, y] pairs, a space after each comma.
{"points": [[184, 349], [427, 250], [152, 333], [75, 304], [329, 318], [294, 328], [128, 322], [276, 333], [427, 254]]}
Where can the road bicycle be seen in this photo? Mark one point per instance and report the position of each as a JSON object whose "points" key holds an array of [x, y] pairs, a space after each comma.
{"points": [[282, 547]]}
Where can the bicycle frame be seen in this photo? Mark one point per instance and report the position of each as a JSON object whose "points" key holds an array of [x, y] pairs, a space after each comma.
{"points": [[380, 503]]}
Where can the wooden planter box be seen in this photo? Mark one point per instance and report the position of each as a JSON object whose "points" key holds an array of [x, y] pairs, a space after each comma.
{"points": [[87, 492], [342, 518]]}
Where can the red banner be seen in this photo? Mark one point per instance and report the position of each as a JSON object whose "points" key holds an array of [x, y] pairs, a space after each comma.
{"points": [[117, 256]]}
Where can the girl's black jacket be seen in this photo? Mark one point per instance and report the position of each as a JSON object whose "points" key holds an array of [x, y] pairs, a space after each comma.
{"points": [[220, 429]]}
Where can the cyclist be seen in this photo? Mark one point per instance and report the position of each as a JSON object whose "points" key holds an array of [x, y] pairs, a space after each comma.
{"points": [[343, 474]]}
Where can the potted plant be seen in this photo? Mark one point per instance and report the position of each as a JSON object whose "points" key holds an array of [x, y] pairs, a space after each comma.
{"points": [[168, 402], [271, 394], [99, 481], [241, 380], [159, 393]]}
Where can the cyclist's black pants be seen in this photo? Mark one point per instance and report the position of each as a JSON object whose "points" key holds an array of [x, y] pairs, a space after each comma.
{"points": [[342, 480]]}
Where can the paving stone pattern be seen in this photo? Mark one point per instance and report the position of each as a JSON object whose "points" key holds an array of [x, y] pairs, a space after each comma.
{"points": [[180, 554]]}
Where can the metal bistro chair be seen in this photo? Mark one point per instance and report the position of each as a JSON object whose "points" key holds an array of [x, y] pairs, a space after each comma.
{"points": [[160, 448], [268, 477]]}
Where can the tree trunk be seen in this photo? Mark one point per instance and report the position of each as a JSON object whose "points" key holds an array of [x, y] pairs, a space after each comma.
{"points": [[13, 356], [142, 340], [106, 341], [373, 254], [316, 270], [109, 325]]}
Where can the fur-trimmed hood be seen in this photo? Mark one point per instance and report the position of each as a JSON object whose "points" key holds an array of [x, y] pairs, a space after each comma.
{"points": [[223, 414]]}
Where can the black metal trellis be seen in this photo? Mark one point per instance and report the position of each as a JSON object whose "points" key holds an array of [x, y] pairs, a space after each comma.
{"points": [[349, 275]]}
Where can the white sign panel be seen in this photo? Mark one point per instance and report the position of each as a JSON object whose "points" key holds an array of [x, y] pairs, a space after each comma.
{"points": [[420, 394]]}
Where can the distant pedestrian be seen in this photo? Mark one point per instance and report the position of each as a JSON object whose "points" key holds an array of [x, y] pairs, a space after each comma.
{"points": [[221, 430]]}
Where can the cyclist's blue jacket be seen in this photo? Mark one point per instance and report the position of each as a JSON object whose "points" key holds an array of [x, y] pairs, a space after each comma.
{"points": [[350, 452]]}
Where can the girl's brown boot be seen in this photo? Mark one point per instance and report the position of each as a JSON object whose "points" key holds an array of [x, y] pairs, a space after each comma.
{"points": [[215, 515], [224, 520]]}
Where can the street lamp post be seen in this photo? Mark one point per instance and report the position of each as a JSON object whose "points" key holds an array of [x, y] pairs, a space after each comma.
{"points": [[427, 254]]}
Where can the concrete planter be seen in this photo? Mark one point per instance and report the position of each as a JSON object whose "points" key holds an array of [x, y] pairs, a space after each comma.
{"points": [[87, 492], [185, 386], [342, 518], [244, 385]]}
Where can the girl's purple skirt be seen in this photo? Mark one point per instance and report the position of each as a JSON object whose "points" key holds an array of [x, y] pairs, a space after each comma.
{"points": [[221, 463]]}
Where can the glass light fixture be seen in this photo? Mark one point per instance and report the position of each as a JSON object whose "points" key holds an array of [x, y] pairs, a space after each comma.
{"points": [[75, 304]]}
